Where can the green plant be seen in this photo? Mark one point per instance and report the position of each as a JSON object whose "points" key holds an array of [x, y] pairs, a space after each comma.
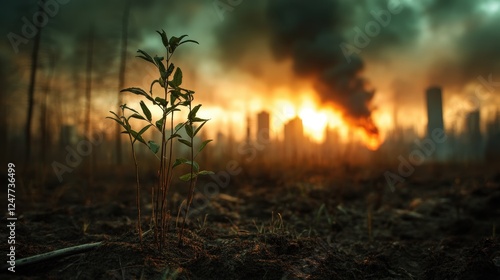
{"points": [[171, 101]]}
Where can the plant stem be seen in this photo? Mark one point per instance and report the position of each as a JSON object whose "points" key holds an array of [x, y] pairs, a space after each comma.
{"points": [[192, 181], [161, 180], [138, 186], [138, 191], [165, 173]]}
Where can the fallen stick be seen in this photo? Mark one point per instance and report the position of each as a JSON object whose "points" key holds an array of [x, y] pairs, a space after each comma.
{"points": [[55, 254]]}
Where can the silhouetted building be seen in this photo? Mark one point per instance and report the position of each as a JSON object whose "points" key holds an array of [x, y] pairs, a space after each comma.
{"points": [[331, 145], [435, 120], [492, 148], [263, 124], [434, 109], [294, 138], [474, 145], [249, 124]]}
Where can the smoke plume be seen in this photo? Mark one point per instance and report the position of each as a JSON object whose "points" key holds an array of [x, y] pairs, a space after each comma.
{"points": [[310, 34]]}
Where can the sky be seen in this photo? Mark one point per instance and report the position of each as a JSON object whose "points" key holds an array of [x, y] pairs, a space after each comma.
{"points": [[363, 63]]}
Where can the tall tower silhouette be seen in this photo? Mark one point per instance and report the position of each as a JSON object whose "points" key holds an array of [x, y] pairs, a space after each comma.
{"points": [[434, 110], [474, 148], [435, 124], [263, 124], [294, 138]]}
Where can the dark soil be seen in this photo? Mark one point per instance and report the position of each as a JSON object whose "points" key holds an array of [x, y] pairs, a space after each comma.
{"points": [[438, 224]]}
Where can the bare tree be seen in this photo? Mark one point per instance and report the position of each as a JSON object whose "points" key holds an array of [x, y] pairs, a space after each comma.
{"points": [[3, 112], [44, 126], [88, 95], [31, 91], [121, 77]]}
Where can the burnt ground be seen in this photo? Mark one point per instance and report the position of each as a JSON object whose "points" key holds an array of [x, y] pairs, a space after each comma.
{"points": [[441, 223]]}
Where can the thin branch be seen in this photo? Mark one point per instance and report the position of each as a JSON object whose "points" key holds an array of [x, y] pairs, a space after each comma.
{"points": [[56, 254]]}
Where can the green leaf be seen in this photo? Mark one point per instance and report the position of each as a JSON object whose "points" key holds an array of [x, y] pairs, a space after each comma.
{"points": [[116, 120], [188, 176], [137, 136], [193, 112], [171, 109], [189, 130], [174, 136], [161, 66], [174, 95], [128, 108], [164, 38], [144, 129], [138, 91], [161, 101], [195, 165], [114, 114], [185, 103], [182, 37], [178, 77], [152, 84], [145, 56], [179, 161], [199, 127], [206, 172], [145, 110], [204, 144], [189, 41], [153, 146], [185, 142], [196, 119], [170, 69], [173, 43], [137, 116], [178, 127], [159, 124], [159, 61]]}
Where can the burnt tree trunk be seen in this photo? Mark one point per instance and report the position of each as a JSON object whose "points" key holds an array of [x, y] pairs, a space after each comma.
{"points": [[31, 92], [44, 125], [121, 78], [88, 97]]}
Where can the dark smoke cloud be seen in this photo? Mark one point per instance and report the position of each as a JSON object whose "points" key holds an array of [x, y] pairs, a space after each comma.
{"points": [[240, 32], [306, 32], [311, 34]]}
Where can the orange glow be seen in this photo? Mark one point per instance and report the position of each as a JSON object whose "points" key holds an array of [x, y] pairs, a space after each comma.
{"points": [[317, 119], [314, 122], [371, 141]]}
